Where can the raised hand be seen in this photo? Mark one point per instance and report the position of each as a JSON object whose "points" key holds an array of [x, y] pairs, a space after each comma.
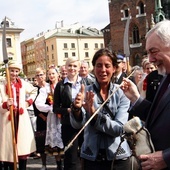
{"points": [[85, 100], [89, 102], [130, 90], [79, 100]]}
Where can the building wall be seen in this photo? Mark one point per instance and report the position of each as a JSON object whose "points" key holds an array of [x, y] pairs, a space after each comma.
{"points": [[79, 49], [12, 33], [14, 52], [30, 58], [24, 56], [118, 23], [40, 52], [49, 48], [51, 51]]}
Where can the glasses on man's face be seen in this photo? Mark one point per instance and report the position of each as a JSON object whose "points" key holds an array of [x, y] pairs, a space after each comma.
{"points": [[39, 75]]}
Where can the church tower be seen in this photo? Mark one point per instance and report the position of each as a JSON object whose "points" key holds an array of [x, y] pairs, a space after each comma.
{"points": [[159, 14]]}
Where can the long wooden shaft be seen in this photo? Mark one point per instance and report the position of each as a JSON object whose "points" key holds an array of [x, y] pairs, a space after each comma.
{"points": [[12, 119]]}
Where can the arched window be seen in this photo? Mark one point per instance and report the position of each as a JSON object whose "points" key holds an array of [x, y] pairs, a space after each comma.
{"points": [[161, 17], [125, 11], [135, 35], [141, 8]]}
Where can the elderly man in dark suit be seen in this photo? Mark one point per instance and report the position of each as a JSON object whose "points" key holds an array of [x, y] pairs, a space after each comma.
{"points": [[156, 114]]}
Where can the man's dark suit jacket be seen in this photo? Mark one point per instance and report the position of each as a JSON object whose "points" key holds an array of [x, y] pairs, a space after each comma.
{"points": [[153, 81], [119, 81], [157, 124]]}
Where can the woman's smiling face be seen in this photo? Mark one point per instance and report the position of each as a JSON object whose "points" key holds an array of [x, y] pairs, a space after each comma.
{"points": [[104, 69], [73, 69]]}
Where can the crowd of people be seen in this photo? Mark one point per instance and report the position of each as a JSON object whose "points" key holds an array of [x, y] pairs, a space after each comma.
{"points": [[49, 112]]}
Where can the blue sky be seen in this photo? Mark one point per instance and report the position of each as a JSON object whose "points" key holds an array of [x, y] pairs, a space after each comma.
{"points": [[36, 16]]}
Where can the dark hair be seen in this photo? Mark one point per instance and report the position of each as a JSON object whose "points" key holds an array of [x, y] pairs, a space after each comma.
{"points": [[106, 52]]}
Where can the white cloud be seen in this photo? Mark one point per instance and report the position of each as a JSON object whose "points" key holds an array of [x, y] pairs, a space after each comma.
{"points": [[35, 16]]}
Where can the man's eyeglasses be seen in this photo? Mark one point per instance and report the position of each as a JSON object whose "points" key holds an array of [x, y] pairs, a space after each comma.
{"points": [[39, 75]]}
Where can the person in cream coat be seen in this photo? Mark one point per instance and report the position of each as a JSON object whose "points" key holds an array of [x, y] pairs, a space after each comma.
{"points": [[24, 136]]}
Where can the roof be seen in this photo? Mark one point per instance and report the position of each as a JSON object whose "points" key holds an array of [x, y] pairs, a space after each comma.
{"points": [[81, 32]]}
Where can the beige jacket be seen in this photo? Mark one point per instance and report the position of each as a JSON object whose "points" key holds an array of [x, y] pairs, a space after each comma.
{"points": [[25, 137]]}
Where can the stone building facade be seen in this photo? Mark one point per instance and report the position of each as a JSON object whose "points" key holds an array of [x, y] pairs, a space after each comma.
{"points": [[142, 15]]}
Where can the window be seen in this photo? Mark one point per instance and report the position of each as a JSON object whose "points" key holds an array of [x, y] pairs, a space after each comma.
{"points": [[65, 45], [125, 11], [66, 55], [52, 56], [141, 8], [7, 24], [8, 42], [47, 48], [101, 45], [73, 54], [72, 45], [135, 35], [85, 45], [95, 45], [86, 54], [52, 47]]}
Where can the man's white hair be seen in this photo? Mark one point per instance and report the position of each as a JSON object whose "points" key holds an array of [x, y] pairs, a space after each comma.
{"points": [[162, 29]]}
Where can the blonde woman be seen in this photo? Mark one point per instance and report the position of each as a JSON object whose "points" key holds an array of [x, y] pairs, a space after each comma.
{"points": [[148, 67], [64, 94]]}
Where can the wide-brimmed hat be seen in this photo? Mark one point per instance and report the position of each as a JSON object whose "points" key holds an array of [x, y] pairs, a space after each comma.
{"points": [[14, 64]]}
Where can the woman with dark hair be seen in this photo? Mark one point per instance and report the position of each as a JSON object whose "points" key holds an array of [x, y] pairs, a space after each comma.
{"points": [[102, 134]]}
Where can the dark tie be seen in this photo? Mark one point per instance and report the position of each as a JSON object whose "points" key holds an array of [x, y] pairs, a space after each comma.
{"points": [[115, 79]]}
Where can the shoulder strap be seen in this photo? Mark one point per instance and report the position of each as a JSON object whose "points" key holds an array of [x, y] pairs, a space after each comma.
{"points": [[105, 106]]}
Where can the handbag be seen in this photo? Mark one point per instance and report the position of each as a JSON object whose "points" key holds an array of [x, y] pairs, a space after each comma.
{"points": [[137, 135]]}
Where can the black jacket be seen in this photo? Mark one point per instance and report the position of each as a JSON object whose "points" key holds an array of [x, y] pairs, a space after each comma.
{"points": [[153, 81], [63, 100]]}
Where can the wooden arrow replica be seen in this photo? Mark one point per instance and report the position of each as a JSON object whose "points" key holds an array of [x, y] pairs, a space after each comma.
{"points": [[5, 60]]}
